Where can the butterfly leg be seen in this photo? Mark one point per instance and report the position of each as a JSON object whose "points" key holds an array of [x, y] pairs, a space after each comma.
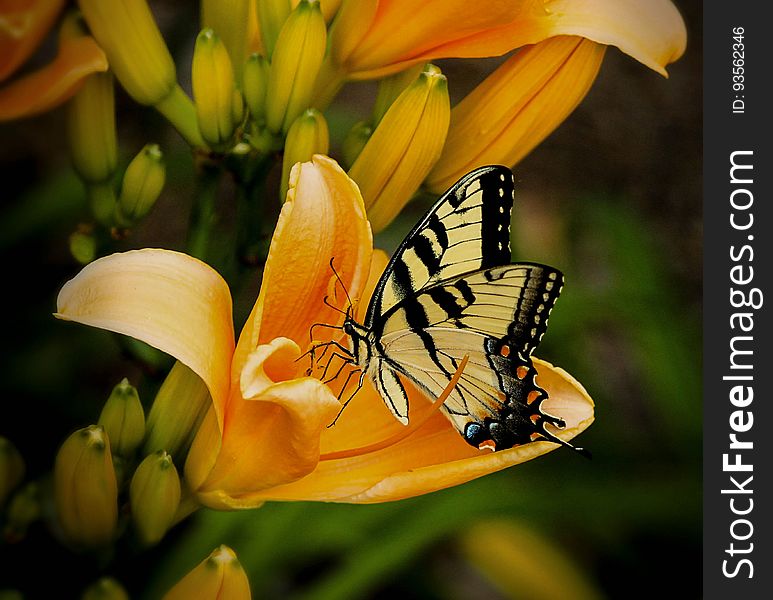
{"points": [[360, 383]]}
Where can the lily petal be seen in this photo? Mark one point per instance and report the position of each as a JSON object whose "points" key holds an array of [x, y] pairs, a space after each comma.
{"points": [[652, 32], [271, 437], [434, 457], [54, 83], [169, 300], [517, 106], [323, 217], [23, 24]]}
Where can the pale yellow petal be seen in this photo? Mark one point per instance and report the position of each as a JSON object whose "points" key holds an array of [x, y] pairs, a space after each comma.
{"points": [[169, 300]]}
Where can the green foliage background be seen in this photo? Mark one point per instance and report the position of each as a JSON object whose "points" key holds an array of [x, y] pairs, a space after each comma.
{"points": [[612, 198]]}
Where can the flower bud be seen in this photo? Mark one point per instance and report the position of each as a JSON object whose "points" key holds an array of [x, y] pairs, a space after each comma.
{"points": [[177, 411], [403, 148], [85, 489], [213, 89], [294, 65], [91, 129], [389, 88], [255, 85], [355, 141], [11, 468], [272, 15], [83, 246], [23, 510], [140, 60], [127, 32], [155, 496], [228, 19], [219, 576], [141, 187], [106, 588], [308, 135], [517, 106], [123, 419]]}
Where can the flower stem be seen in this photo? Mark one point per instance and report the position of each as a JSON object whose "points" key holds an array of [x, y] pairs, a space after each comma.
{"points": [[181, 113], [203, 213]]}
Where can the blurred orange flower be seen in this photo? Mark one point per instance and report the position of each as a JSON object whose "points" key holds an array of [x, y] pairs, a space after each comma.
{"points": [[23, 26], [266, 435]]}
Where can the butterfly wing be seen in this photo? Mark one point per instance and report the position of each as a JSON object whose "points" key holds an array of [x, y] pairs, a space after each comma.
{"points": [[467, 229], [496, 316]]}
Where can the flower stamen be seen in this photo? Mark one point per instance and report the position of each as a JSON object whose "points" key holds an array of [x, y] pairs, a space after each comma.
{"points": [[410, 430]]}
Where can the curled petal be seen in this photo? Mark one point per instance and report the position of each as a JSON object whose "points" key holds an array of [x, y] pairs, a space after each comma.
{"points": [[652, 32], [323, 218], [517, 106], [433, 458], [23, 24], [271, 437], [54, 83], [169, 300]]}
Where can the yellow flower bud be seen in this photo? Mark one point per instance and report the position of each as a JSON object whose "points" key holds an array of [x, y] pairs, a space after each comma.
{"points": [[219, 576], [23, 510], [255, 85], [11, 468], [123, 419], [355, 141], [294, 66], [213, 89], [177, 411], [517, 106], [228, 19], [403, 148], [142, 185], [127, 32], [106, 588], [140, 60], [85, 489], [155, 496], [389, 88], [91, 129], [308, 135], [272, 15]]}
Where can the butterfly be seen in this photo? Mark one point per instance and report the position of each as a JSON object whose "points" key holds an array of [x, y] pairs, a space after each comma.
{"points": [[451, 291]]}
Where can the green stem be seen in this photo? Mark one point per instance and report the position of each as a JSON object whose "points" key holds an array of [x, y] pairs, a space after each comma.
{"points": [[251, 244], [181, 113], [102, 201], [203, 213]]}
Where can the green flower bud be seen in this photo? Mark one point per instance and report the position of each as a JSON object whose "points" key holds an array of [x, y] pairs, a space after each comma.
{"points": [[255, 85], [142, 184], [23, 510], [91, 129], [123, 419], [272, 15], [83, 246], [308, 135], [294, 65], [177, 411], [106, 588], [85, 488], [155, 496], [355, 141], [213, 89], [228, 18], [11, 468]]}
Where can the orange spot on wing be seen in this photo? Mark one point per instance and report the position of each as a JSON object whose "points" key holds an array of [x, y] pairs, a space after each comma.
{"points": [[532, 396], [521, 372]]}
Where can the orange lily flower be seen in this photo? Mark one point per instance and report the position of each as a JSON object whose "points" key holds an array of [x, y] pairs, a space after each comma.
{"points": [[373, 38], [23, 25], [266, 435]]}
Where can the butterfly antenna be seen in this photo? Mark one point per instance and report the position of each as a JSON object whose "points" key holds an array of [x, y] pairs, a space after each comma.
{"points": [[326, 302], [338, 277]]}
